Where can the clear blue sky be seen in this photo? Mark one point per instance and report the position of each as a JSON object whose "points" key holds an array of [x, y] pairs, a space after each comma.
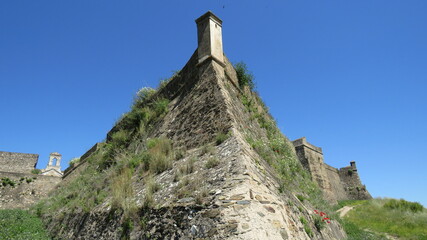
{"points": [[351, 76]]}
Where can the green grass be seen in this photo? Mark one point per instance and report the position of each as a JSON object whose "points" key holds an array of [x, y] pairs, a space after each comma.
{"points": [[354, 232], [377, 216], [20, 224], [221, 137], [109, 170]]}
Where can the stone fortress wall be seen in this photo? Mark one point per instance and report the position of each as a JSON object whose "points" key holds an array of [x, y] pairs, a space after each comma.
{"points": [[17, 162], [20, 187], [336, 184]]}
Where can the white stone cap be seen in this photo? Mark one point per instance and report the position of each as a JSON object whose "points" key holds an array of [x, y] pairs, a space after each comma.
{"points": [[210, 15]]}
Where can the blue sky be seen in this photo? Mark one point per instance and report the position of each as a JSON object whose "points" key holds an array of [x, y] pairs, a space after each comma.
{"points": [[351, 76]]}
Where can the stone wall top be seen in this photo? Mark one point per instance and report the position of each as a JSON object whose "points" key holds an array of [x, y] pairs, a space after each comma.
{"points": [[303, 142], [18, 162]]}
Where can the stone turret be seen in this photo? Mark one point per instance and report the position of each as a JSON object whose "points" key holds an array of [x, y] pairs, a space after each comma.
{"points": [[209, 38], [54, 166], [336, 184]]}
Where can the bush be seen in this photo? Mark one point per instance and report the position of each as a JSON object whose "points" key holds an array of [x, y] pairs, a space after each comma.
{"points": [[300, 197], [187, 167], [120, 138], [212, 162], [144, 94], [161, 154], [403, 205], [160, 106], [302, 220], [319, 223], [7, 181], [244, 77], [36, 171], [160, 163], [220, 138]]}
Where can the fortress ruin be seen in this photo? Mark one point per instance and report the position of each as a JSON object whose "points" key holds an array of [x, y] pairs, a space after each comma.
{"points": [[336, 184], [21, 183]]}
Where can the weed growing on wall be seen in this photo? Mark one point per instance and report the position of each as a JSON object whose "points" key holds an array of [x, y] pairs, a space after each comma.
{"points": [[244, 77], [107, 173], [277, 150]]}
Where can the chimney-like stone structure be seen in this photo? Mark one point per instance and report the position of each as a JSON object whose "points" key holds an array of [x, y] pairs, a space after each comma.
{"points": [[209, 35]]}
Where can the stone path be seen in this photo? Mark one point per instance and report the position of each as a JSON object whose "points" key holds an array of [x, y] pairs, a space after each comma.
{"points": [[344, 210]]}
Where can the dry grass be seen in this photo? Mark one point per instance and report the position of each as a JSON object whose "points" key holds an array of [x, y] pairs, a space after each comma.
{"points": [[122, 192]]}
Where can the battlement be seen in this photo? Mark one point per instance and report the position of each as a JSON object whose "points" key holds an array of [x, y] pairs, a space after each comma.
{"points": [[18, 162]]}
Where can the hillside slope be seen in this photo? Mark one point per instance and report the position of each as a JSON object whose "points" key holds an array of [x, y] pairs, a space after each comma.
{"points": [[394, 219]]}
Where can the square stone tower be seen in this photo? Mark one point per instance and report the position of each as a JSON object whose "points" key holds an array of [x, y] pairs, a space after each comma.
{"points": [[209, 34]]}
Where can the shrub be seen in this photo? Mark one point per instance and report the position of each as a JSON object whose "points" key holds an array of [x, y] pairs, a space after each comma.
{"points": [[160, 163], [7, 181], [151, 185], [303, 220], [36, 171], [319, 223], [160, 145], [161, 154], [188, 166], [160, 106], [135, 161], [144, 94], [212, 162], [180, 153], [350, 172], [307, 230], [120, 138], [244, 77], [300, 197], [207, 149], [403, 205], [220, 138]]}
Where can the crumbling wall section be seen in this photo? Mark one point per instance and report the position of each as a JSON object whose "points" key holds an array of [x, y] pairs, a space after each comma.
{"points": [[17, 162]]}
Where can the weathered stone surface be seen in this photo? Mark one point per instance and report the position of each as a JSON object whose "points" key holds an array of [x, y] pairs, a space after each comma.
{"points": [[17, 162], [28, 189], [342, 184], [204, 101]]}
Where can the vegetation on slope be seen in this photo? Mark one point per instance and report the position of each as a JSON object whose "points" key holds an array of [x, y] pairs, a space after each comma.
{"points": [[20, 224], [406, 220], [277, 150], [108, 172]]}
